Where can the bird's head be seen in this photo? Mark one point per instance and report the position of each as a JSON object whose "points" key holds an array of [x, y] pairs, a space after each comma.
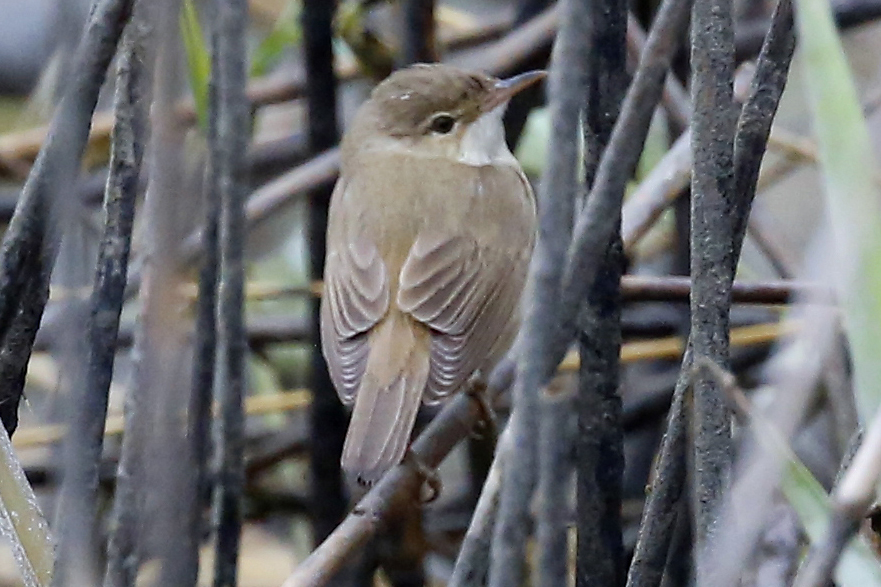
{"points": [[440, 110]]}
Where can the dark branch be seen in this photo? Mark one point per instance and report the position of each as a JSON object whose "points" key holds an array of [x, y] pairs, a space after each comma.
{"points": [[712, 185], [86, 433], [669, 477], [600, 438], [232, 126], [30, 243]]}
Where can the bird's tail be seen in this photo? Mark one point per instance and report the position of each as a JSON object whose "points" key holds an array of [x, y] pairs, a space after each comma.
{"points": [[387, 400]]}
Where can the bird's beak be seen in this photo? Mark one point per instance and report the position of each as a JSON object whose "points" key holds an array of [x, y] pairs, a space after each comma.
{"points": [[505, 89]]}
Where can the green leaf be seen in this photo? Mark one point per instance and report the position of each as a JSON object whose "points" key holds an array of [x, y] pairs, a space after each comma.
{"points": [[655, 146], [858, 566], [285, 33], [531, 149], [854, 205], [21, 521], [198, 60]]}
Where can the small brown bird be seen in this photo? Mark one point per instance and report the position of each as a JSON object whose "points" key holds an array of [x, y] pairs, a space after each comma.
{"points": [[431, 228]]}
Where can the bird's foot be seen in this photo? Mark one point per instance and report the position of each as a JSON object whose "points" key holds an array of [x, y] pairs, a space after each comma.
{"points": [[429, 476], [486, 427]]}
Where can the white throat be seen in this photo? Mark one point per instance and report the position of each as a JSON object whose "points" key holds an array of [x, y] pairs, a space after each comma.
{"points": [[484, 141]]}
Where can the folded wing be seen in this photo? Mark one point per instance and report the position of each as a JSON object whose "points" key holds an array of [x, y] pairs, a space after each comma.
{"points": [[356, 297], [468, 297]]}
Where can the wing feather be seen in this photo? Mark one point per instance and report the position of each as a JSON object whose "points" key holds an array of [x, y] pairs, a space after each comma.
{"points": [[469, 299], [356, 297]]}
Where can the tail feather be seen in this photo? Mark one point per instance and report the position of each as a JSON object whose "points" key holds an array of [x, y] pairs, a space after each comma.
{"points": [[387, 400]]}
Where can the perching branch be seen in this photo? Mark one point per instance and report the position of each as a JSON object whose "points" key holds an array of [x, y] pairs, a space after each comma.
{"points": [[397, 489]]}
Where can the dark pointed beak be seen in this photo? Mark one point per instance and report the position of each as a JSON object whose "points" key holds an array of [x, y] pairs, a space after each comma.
{"points": [[505, 89]]}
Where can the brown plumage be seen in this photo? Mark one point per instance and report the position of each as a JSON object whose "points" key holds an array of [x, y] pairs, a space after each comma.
{"points": [[430, 232]]}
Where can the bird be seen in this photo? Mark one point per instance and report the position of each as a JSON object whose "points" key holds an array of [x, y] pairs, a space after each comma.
{"points": [[431, 228]]}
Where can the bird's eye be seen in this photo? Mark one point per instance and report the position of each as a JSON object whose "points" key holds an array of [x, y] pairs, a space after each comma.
{"points": [[442, 124]]}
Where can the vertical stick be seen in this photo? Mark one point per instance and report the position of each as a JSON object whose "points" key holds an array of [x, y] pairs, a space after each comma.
{"points": [[327, 417], [76, 560], [556, 194], [232, 132], [30, 244], [556, 472], [204, 360], [419, 34], [600, 438], [712, 140]]}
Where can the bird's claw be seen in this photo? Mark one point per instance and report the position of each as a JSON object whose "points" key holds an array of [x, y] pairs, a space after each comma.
{"points": [[429, 476], [487, 426]]}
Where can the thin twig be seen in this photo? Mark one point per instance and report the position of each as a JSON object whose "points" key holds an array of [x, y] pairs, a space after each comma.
{"points": [[327, 417], [30, 243], [766, 89], [232, 127], [558, 413], [600, 438], [472, 564], [557, 193], [79, 490]]}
